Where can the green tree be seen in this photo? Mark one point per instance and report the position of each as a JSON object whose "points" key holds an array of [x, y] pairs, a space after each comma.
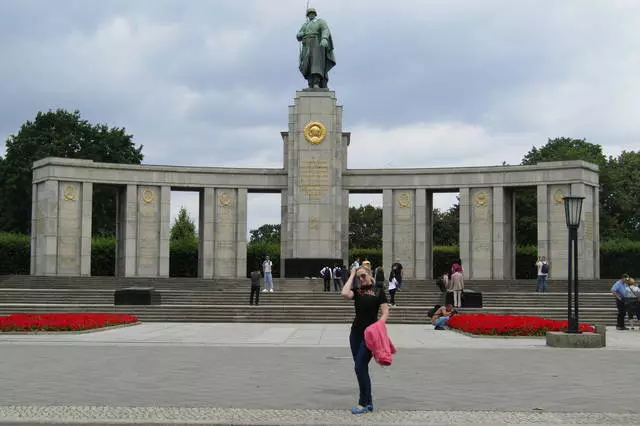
{"points": [[266, 234], [183, 228], [559, 149], [446, 226], [365, 227], [60, 134], [621, 201]]}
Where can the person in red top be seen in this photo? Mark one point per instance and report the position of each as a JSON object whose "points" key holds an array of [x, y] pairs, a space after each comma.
{"points": [[368, 301]]}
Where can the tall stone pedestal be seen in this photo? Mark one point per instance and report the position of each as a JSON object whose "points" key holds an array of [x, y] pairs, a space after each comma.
{"points": [[315, 152]]}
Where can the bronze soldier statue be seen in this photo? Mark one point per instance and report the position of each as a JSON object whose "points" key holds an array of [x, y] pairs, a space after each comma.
{"points": [[316, 53]]}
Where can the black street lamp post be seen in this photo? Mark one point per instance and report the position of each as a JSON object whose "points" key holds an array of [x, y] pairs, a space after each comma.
{"points": [[573, 212]]}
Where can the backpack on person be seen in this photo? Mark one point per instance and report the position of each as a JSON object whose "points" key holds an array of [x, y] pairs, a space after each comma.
{"points": [[545, 268]]}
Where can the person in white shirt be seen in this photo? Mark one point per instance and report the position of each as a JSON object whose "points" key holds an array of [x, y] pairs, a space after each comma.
{"points": [[327, 275], [543, 272], [268, 279]]}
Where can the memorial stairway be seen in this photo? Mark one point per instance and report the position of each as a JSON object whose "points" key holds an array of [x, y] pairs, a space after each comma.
{"points": [[294, 301]]}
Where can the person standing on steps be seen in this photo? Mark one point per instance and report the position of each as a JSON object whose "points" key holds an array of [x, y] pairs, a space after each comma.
{"points": [[268, 279], [337, 278], [395, 281], [378, 274], [326, 273], [367, 301], [543, 272], [457, 287], [255, 286]]}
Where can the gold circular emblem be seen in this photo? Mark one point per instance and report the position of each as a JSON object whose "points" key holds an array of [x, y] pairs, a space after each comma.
{"points": [[224, 200], [404, 200], [315, 132], [558, 194], [482, 199], [148, 195], [70, 192]]}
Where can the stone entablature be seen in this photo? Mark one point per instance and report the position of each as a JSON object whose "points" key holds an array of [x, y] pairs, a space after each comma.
{"points": [[314, 185], [355, 180]]}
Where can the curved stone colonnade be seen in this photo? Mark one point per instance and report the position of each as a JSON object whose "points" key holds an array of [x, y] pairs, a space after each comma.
{"points": [[314, 184], [62, 199]]}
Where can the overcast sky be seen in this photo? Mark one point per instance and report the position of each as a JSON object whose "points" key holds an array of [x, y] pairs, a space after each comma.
{"points": [[424, 83]]}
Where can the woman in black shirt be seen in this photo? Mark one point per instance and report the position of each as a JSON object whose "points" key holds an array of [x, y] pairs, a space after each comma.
{"points": [[367, 301]]}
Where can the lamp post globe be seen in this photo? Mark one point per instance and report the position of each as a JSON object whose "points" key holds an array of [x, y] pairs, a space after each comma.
{"points": [[573, 210]]}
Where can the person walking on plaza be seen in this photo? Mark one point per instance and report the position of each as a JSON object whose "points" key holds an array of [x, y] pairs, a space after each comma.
{"points": [[268, 278], [543, 272], [368, 302], [255, 286], [621, 290], [457, 287]]}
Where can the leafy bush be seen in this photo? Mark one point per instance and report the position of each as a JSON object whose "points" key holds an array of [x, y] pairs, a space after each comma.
{"points": [[103, 256], [15, 253], [183, 258]]}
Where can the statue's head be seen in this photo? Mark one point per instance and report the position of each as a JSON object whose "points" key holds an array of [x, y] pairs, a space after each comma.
{"points": [[311, 13]]}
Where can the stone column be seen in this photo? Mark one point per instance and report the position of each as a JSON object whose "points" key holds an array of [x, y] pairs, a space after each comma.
{"points": [[504, 245], [399, 230], [241, 233], [285, 239], [34, 228], [85, 243], [543, 220], [465, 231], [345, 226], [143, 231], [126, 231], [557, 234], [387, 230], [61, 228], [481, 227], [205, 231], [588, 261], [229, 235], [596, 232], [424, 234], [315, 162]]}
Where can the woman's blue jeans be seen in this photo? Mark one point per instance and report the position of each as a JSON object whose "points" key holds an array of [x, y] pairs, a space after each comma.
{"points": [[361, 357]]}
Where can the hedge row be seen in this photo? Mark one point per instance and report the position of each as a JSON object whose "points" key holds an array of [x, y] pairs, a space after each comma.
{"points": [[616, 257]]}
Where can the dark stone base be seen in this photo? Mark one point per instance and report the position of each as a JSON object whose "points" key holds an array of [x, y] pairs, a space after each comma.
{"points": [[136, 296], [300, 268], [469, 299]]}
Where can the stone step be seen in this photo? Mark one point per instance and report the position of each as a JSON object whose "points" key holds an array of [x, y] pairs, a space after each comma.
{"points": [[256, 317], [171, 297], [27, 281]]}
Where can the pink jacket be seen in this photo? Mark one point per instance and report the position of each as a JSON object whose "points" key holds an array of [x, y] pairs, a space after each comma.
{"points": [[377, 340]]}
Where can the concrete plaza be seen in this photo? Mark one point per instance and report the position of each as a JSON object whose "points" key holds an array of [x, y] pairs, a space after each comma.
{"points": [[303, 374]]}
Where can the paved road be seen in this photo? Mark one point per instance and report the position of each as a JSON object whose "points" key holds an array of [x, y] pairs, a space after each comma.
{"points": [[317, 378]]}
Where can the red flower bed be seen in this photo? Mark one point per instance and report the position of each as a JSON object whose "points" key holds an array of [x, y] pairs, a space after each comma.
{"points": [[62, 321], [509, 325]]}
